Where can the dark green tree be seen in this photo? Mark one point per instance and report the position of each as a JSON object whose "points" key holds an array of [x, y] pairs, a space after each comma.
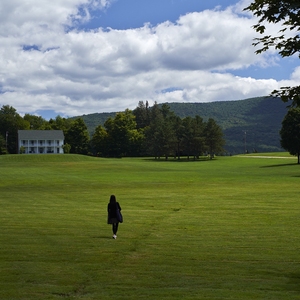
{"points": [[188, 137], [59, 123], [199, 139], [160, 133], [179, 134], [2, 145], [77, 137], [154, 141], [67, 148], [10, 123], [142, 115], [213, 137], [168, 132], [99, 141], [36, 122], [136, 142], [286, 42], [194, 140], [122, 136], [290, 132]]}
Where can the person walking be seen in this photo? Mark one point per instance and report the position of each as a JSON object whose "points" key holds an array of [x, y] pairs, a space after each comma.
{"points": [[114, 214]]}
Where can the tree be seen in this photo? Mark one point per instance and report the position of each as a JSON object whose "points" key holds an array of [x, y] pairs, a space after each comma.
{"points": [[199, 139], [160, 134], [122, 135], [99, 141], [194, 139], [188, 136], [287, 42], [10, 123], [60, 123], [290, 132], [35, 122], [168, 132], [136, 142], [77, 137], [141, 113], [179, 131], [22, 150], [214, 137], [67, 148], [2, 145], [154, 134]]}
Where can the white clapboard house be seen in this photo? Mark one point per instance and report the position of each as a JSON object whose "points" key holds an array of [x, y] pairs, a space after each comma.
{"points": [[40, 141]]}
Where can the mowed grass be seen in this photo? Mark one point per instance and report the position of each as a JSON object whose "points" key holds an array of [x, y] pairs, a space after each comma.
{"points": [[221, 229]]}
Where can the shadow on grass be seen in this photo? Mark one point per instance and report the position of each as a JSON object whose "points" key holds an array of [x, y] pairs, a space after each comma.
{"points": [[105, 237], [281, 165], [173, 160]]}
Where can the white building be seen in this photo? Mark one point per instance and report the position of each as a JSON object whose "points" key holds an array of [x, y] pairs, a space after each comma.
{"points": [[40, 141]]}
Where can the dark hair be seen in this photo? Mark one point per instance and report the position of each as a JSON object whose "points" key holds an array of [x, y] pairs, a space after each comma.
{"points": [[113, 199]]}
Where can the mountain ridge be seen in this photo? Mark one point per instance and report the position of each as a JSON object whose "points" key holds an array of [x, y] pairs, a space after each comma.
{"points": [[249, 125]]}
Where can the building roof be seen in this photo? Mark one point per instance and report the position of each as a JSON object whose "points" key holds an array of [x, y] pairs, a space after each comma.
{"points": [[41, 135]]}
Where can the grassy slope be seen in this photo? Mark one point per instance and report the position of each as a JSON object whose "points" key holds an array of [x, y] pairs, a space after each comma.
{"points": [[222, 229]]}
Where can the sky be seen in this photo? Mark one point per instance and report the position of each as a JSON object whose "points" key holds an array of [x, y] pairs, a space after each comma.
{"points": [[76, 57]]}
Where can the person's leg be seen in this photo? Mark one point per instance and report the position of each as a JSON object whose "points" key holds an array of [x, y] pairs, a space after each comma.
{"points": [[115, 228]]}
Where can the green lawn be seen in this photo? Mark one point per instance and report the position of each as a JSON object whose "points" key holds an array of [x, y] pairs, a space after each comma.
{"points": [[221, 229]]}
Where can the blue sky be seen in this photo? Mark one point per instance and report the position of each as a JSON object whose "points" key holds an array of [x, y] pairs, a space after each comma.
{"points": [[77, 57], [125, 14]]}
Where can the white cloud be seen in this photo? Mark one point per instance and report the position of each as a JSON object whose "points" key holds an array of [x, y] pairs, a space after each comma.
{"points": [[51, 13], [44, 66], [296, 75]]}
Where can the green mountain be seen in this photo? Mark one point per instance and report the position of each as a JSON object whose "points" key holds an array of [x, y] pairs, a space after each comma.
{"points": [[248, 125]]}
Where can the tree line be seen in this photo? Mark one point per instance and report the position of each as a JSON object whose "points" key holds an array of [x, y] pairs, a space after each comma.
{"points": [[145, 131], [75, 131], [156, 131]]}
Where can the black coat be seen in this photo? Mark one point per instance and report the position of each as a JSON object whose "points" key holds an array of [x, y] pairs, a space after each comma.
{"points": [[112, 212]]}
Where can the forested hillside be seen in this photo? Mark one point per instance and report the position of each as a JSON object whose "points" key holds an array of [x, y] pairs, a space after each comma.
{"points": [[251, 124], [257, 119]]}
